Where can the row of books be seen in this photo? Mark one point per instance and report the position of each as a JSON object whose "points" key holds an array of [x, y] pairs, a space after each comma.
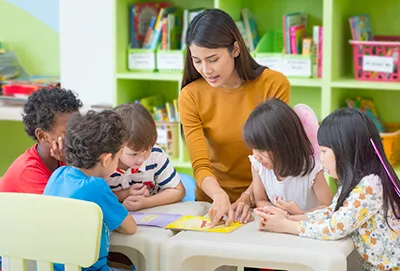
{"points": [[162, 23], [297, 41], [162, 112], [248, 29]]}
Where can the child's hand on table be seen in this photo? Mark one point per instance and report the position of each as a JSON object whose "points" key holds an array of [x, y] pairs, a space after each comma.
{"points": [[289, 206], [136, 198], [271, 219], [138, 189], [134, 203]]}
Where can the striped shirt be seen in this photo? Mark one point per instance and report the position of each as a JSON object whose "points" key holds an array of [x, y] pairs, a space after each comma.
{"points": [[156, 173]]}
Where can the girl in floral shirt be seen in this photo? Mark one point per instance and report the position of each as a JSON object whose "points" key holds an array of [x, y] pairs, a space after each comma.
{"points": [[367, 205]]}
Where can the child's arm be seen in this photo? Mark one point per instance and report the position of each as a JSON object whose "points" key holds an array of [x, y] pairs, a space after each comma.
{"points": [[122, 194], [137, 189], [165, 196], [128, 226], [169, 181], [115, 215], [260, 195], [363, 202], [322, 191]]}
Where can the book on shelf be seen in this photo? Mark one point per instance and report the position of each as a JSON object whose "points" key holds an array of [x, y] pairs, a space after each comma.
{"points": [[361, 28], [251, 36]]}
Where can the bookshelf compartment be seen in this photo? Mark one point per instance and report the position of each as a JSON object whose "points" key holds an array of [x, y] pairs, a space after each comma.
{"points": [[168, 138], [141, 60], [170, 60]]}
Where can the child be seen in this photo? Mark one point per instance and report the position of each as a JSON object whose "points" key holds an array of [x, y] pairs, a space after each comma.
{"points": [[45, 116], [145, 177], [367, 205], [92, 147], [284, 170]]}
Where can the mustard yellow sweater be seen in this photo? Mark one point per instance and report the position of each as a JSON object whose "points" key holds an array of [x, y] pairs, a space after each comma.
{"points": [[213, 120]]}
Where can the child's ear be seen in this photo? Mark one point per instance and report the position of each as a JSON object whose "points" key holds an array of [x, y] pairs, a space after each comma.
{"points": [[106, 159], [41, 135]]}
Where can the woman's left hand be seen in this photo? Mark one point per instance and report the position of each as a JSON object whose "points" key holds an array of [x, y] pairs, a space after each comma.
{"points": [[242, 210]]}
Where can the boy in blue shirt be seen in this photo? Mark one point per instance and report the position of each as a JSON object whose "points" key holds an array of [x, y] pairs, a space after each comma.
{"points": [[92, 148]]}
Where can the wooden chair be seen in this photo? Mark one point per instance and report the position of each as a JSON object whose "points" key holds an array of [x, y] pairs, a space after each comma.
{"points": [[49, 230]]}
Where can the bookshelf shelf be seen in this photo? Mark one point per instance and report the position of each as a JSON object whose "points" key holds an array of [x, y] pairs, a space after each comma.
{"points": [[312, 82], [352, 83], [158, 76]]}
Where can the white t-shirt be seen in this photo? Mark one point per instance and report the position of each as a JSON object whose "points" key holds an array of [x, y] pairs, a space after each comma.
{"points": [[156, 173], [294, 188]]}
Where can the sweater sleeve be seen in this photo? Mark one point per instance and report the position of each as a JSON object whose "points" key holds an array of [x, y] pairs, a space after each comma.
{"points": [[194, 136], [280, 88]]}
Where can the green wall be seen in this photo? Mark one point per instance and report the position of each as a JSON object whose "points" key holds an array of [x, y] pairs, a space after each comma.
{"points": [[37, 48]]}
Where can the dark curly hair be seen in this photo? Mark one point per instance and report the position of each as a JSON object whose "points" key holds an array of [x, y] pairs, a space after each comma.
{"points": [[44, 104], [91, 135]]}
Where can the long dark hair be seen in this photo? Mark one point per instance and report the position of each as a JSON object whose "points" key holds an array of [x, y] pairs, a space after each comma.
{"points": [[274, 127], [347, 132], [213, 28]]}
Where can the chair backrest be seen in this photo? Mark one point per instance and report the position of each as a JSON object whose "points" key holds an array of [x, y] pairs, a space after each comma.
{"points": [[49, 230]]}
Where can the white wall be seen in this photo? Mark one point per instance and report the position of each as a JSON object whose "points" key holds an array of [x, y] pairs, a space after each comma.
{"points": [[87, 55]]}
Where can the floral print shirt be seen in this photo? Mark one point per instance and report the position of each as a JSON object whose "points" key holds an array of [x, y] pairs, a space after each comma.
{"points": [[362, 218]]}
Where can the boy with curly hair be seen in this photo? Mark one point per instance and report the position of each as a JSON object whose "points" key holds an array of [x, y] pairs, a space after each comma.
{"points": [[92, 148], [44, 116], [145, 176]]}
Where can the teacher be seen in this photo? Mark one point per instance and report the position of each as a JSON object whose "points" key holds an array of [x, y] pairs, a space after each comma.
{"points": [[221, 86]]}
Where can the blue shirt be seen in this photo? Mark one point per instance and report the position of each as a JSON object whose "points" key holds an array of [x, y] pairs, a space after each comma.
{"points": [[70, 182]]}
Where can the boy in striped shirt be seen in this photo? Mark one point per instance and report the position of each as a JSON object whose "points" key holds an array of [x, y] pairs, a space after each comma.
{"points": [[145, 177]]}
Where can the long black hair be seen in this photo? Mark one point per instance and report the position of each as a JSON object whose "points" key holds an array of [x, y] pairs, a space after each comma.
{"points": [[273, 126], [348, 132]]}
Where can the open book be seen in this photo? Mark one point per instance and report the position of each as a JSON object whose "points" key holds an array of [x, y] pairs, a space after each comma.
{"points": [[182, 222], [154, 219]]}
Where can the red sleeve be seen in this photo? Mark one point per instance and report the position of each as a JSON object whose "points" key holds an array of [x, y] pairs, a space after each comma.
{"points": [[32, 180]]}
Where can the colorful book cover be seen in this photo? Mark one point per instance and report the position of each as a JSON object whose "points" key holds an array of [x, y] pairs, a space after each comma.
{"points": [[297, 33], [154, 219], [140, 20], [320, 48], [201, 223], [290, 20], [250, 25], [361, 27]]}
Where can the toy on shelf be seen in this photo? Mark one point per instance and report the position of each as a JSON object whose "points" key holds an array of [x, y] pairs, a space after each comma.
{"points": [[389, 132]]}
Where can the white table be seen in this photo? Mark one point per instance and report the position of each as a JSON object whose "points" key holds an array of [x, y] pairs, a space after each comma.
{"points": [[143, 248], [246, 246]]}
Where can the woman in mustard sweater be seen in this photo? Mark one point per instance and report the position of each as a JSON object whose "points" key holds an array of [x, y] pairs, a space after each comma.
{"points": [[221, 86]]}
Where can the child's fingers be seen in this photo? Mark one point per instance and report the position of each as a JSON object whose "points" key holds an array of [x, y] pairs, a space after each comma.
{"points": [[261, 214], [60, 142]]}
